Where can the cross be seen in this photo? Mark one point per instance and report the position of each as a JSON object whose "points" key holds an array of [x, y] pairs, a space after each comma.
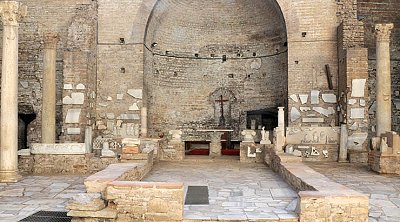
{"points": [[222, 118]]}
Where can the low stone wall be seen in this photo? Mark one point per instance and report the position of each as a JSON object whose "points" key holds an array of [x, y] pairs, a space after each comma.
{"points": [[63, 164], [116, 194], [146, 201], [320, 198]]}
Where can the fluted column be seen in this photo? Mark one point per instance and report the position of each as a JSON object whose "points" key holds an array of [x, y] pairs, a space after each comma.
{"points": [[383, 79], [49, 88], [11, 12]]}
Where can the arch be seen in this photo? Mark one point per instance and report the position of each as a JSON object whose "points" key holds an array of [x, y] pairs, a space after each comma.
{"points": [[147, 6]]}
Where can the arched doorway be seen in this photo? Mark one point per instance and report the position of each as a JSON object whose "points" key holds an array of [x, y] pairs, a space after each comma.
{"points": [[193, 48]]}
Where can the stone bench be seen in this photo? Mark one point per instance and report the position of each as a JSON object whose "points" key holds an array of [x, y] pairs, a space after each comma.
{"points": [[320, 197], [97, 182]]}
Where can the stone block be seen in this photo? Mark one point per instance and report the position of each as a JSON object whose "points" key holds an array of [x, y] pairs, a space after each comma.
{"points": [[329, 98], [313, 120], [136, 93], [130, 150], [86, 202], [106, 213], [59, 148], [357, 113], [314, 97]]}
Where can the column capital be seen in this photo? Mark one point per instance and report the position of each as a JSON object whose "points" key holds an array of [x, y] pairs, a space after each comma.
{"points": [[50, 40], [12, 12], [383, 31]]}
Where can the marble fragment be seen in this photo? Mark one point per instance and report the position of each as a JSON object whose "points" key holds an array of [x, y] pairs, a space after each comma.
{"points": [[362, 102], [73, 116], [294, 114], [58, 148], [136, 93], [313, 120], [358, 87], [314, 97], [396, 103], [80, 86], [352, 101], [356, 140], [110, 116], [372, 108], [297, 153], [134, 107], [73, 131], [305, 109], [294, 98], [303, 98], [314, 152], [120, 96], [68, 86], [126, 116], [354, 126], [109, 98], [24, 84], [357, 113], [78, 98], [325, 112], [329, 98]]}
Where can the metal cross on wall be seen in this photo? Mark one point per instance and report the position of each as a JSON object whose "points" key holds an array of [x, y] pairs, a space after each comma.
{"points": [[222, 118]]}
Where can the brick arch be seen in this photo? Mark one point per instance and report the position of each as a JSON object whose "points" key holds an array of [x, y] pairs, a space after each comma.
{"points": [[147, 6]]}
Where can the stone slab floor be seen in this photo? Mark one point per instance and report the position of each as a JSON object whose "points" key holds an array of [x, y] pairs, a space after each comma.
{"points": [[35, 193], [383, 190], [237, 191]]}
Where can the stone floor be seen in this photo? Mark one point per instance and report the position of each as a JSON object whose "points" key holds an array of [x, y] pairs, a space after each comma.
{"points": [[35, 193], [236, 191], [383, 190]]}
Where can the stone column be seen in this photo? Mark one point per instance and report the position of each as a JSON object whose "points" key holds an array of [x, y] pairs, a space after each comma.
{"points": [[215, 144], [11, 13], [343, 143], [281, 117], [143, 119], [49, 88], [383, 79]]}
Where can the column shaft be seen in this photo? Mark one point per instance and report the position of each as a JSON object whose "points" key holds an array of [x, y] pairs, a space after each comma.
{"points": [[383, 79], [49, 89], [143, 118]]}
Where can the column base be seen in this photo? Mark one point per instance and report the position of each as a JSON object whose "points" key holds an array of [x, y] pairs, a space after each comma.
{"points": [[9, 176]]}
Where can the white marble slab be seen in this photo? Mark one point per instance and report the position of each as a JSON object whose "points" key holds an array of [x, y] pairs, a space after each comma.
{"points": [[294, 114], [73, 131], [58, 148], [329, 98], [313, 120], [314, 97], [73, 116], [358, 87], [136, 93], [294, 98], [357, 113], [325, 112], [303, 98]]}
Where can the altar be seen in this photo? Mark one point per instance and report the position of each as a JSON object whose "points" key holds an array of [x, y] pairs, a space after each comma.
{"points": [[215, 142]]}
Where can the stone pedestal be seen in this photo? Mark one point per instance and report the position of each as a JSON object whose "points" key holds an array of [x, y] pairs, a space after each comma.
{"points": [[11, 13], [383, 79], [215, 145], [143, 120]]}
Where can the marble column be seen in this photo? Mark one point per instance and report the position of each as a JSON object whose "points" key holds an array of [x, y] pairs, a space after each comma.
{"points": [[343, 143], [11, 12], [281, 117], [49, 88], [383, 79], [143, 119]]}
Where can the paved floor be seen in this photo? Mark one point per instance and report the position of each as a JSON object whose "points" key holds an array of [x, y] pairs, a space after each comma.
{"points": [[384, 190], [236, 191], [35, 193]]}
